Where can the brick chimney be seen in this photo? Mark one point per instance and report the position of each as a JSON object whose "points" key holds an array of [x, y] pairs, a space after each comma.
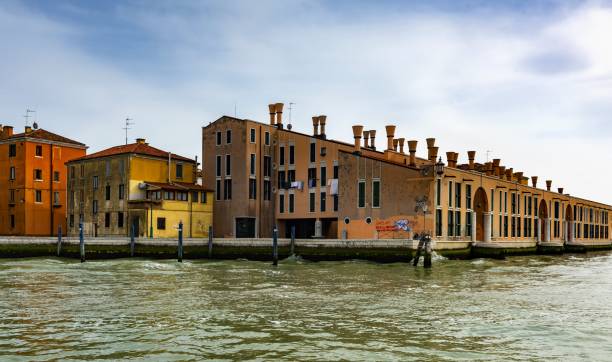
{"points": [[489, 168], [548, 185], [401, 142], [272, 109], [431, 143], [357, 131], [28, 129], [518, 176], [502, 172], [509, 173], [560, 189], [372, 138], [7, 131], [315, 126], [278, 107], [534, 181], [412, 147], [141, 141], [395, 143], [449, 158], [471, 157], [322, 121], [496, 162], [390, 134], [366, 139], [432, 153]]}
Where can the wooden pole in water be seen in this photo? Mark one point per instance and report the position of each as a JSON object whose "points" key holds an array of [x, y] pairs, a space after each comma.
{"points": [[132, 241], [180, 242], [59, 240], [81, 242], [417, 255], [428, 251], [293, 240], [275, 247], [210, 241]]}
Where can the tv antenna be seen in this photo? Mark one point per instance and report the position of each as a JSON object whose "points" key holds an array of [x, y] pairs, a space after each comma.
{"points": [[127, 127], [27, 116]]}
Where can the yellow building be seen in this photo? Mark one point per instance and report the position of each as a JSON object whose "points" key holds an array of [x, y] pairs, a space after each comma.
{"points": [[139, 187]]}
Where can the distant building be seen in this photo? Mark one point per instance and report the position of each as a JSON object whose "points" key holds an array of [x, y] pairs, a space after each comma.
{"points": [[266, 176], [33, 181], [139, 186]]}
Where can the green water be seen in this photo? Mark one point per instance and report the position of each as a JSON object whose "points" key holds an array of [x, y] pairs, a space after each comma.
{"points": [[522, 308]]}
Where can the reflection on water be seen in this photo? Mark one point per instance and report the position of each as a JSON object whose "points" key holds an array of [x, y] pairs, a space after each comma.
{"points": [[533, 307]]}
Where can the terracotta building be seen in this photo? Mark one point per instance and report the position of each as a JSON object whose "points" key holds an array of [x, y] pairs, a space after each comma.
{"points": [[33, 180], [137, 185], [266, 176]]}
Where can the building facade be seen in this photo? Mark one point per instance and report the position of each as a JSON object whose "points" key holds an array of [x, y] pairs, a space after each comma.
{"points": [[267, 176], [137, 186], [33, 181]]}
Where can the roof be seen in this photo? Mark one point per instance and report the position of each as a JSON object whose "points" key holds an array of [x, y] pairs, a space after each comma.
{"points": [[43, 134], [133, 148], [178, 186]]}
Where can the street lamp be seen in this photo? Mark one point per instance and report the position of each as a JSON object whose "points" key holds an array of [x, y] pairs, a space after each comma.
{"points": [[439, 167]]}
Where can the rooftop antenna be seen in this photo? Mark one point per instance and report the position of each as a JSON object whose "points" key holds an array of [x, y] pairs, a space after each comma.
{"points": [[289, 126], [235, 109], [27, 116], [127, 126]]}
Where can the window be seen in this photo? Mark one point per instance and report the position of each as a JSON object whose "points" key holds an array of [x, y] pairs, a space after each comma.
{"points": [[38, 174], [228, 165], [438, 222], [12, 221], [119, 219], [38, 195], [182, 196], [169, 195], [468, 221], [107, 192], [513, 201], [267, 166], [336, 171], [252, 164], [95, 182], [438, 193], [94, 206], [218, 138], [161, 223], [335, 202], [312, 177], [11, 195], [513, 229], [72, 172], [38, 151], [361, 199], [281, 203], [267, 190], [323, 176], [56, 198], [376, 193], [71, 220], [228, 136], [291, 154], [194, 196], [281, 180], [252, 137], [121, 191], [506, 226], [218, 190], [218, 170], [458, 223], [267, 138], [252, 189], [179, 170], [13, 150], [451, 225], [291, 203], [291, 175], [107, 219], [311, 202], [313, 147], [227, 189], [450, 194], [203, 197], [281, 155], [457, 197], [468, 197], [108, 168], [12, 173], [323, 199]]}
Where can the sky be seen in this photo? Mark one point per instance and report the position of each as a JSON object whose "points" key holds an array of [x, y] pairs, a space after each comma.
{"points": [[529, 82]]}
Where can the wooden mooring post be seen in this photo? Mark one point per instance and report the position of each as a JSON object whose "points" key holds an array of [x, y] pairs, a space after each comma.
{"points": [[275, 246], [424, 248], [293, 240], [210, 241], [81, 242], [59, 240], [180, 242]]}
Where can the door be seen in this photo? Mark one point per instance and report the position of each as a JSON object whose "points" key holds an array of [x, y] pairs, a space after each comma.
{"points": [[136, 223], [245, 227]]}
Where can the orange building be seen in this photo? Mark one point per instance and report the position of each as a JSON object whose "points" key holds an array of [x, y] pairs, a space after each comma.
{"points": [[33, 180]]}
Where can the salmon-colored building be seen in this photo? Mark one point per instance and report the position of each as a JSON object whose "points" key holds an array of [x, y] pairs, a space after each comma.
{"points": [[33, 180], [268, 175]]}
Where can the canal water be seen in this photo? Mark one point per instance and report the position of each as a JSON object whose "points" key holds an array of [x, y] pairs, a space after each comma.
{"points": [[522, 308]]}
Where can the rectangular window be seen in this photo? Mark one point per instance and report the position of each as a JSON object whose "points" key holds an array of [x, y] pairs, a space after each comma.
{"points": [[513, 229], [451, 225], [252, 189], [281, 203], [335, 171], [95, 182], [218, 166], [457, 198], [11, 195], [195, 196], [506, 226], [281, 155], [121, 192], [56, 198], [492, 204], [204, 197], [438, 193], [323, 196], [267, 138], [468, 197], [38, 176], [312, 177], [323, 176], [500, 202], [291, 203], [107, 219], [218, 190], [311, 202], [228, 165], [72, 171], [39, 151], [313, 147], [12, 173], [107, 192], [56, 176], [252, 137], [518, 226], [182, 196], [228, 136], [291, 154], [513, 203], [227, 189], [505, 202], [94, 206], [169, 195], [71, 220], [267, 166], [218, 138], [438, 222], [335, 202], [252, 165], [376, 193], [361, 187], [458, 223], [281, 180], [468, 223], [179, 170], [13, 150], [38, 196], [450, 195], [120, 219], [267, 190], [161, 223], [12, 221]]}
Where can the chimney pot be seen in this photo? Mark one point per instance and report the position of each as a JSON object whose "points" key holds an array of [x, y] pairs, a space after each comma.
{"points": [[433, 153], [449, 158], [272, 109], [412, 147], [8, 131], [278, 107], [390, 134], [502, 172], [140, 141], [357, 131], [366, 137], [401, 142], [548, 185], [431, 142], [509, 173], [560, 189], [28, 129], [372, 138], [534, 181], [471, 157], [322, 122], [395, 143], [315, 125]]}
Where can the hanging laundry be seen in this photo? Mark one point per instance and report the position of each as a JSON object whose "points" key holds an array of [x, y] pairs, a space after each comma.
{"points": [[333, 187]]}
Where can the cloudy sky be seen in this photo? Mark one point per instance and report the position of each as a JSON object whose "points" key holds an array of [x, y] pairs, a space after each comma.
{"points": [[529, 81]]}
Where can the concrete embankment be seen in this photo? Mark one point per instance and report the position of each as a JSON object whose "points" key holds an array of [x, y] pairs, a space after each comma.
{"points": [[261, 249]]}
